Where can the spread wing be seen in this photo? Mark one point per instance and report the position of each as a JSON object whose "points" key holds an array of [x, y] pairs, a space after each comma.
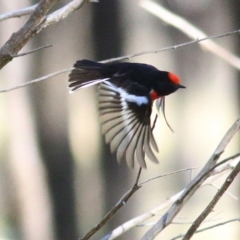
{"points": [[125, 110]]}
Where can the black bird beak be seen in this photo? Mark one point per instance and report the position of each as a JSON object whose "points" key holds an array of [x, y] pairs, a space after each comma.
{"points": [[181, 86]]}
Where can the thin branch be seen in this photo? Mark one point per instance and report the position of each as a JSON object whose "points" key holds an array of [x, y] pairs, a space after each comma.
{"points": [[220, 170], [18, 13], [226, 164], [219, 224], [174, 223], [210, 227], [193, 185], [114, 210], [179, 197], [36, 80], [31, 51], [139, 219], [190, 30], [10, 49], [228, 193], [211, 205], [123, 58], [167, 174], [198, 40], [229, 165]]}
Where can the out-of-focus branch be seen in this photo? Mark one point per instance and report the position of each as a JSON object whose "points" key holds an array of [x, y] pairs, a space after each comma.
{"points": [[18, 13], [214, 201], [228, 164], [193, 185], [190, 30]]}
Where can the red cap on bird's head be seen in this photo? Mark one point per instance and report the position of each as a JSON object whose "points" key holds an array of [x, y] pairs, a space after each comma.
{"points": [[175, 79]]}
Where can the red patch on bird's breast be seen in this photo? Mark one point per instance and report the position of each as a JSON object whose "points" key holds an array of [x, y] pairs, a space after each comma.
{"points": [[174, 78], [154, 95]]}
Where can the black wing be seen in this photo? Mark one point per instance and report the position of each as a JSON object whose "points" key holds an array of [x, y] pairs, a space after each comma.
{"points": [[125, 108], [125, 119]]}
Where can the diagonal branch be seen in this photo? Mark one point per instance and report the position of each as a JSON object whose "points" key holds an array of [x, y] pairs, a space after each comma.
{"points": [[46, 77], [193, 185], [22, 36], [227, 164], [198, 40], [114, 210], [210, 227], [32, 51], [36, 23], [190, 30], [211, 205]]}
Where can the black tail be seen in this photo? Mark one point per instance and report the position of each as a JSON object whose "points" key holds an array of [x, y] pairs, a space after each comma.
{"points": [[87, 73]]}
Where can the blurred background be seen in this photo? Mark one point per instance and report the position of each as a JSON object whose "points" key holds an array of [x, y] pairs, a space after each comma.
{"points": [[57, 176]]}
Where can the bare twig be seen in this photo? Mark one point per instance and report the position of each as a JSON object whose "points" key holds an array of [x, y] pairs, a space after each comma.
{"points": [[227, 164], [113, 211], [219, 224], [167, 174], [133, 222], [18, 13], [198, 40], [211, 205], [36, 80], [190, 30], [193, 185], [31, 51], [220, 169], [228, 193], [210, 227]]}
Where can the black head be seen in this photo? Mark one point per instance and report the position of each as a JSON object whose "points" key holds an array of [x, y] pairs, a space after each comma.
{"points": [[167, 83]]}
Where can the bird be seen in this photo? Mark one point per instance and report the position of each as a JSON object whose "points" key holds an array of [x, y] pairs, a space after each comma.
{"points": [[126, 92]]}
